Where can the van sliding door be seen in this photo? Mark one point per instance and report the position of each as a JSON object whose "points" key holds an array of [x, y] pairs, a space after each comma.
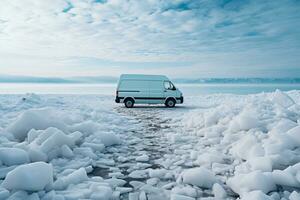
{"points": [[138, 89], [156, 92]]}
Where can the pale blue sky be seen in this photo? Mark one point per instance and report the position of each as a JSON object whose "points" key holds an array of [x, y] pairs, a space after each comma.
{"points": [[180, 38]]}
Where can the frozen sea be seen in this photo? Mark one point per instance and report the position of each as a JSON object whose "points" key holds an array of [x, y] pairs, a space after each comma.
{"points": [[69, 142], [109, 89]]}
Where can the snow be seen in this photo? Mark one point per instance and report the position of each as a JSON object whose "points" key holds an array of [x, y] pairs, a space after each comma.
{"points": [[217, 146], [31, 177]]}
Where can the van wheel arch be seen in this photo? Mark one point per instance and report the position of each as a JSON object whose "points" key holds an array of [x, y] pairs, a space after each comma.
{"points": [[170, 104], [129, 102]]}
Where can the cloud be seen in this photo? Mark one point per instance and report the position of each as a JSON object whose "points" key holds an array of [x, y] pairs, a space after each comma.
{"points": [[203, 32]]}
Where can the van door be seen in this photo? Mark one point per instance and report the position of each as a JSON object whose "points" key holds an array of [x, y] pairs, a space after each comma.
{"points": [[156, 92], [169, 89], [138, 89]]}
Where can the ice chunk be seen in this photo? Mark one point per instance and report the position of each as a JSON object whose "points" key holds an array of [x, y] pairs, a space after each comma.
{"points": [[88, 152], [142, 195], [136, 184], [142, 158], [181, 197], [199, 176], [86, 127], [185, 190], [4, 193], [207, 158], [256, 195], [194, 154], [294, 196], [261, 163], [39, 119], [157, 173], [150, 189], [114, 182], [108, 139], [95, 146], [133, 196], [246, 120], [243, 183], [138, 174], [247, 147], [19, 195], [32, 134], [294, 133], [278, 144], [30, 177], [285, 178], [283, 126], [66, 151], [50, 141], [282, 99], [123, 190], [56, 139], [211, 118], [36, 155], [75, 177], [13, 156], [152, 181], [219, 191], [102, 193]]}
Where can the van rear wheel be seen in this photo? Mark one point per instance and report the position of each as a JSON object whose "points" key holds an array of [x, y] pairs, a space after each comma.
{"points": [[129, 103], [170, 103]]}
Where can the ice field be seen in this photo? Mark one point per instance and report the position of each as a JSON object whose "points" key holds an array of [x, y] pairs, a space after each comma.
{"points": [[214, 146]]}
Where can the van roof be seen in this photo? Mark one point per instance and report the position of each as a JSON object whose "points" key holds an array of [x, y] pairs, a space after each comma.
{"points": [[143, 77]]}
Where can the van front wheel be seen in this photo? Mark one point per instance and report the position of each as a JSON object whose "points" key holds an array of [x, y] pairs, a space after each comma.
{"points": [[129, 103], [170, 103]]}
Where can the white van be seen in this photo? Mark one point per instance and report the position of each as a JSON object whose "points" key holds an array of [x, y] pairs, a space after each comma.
{"points": [[147, 89]]}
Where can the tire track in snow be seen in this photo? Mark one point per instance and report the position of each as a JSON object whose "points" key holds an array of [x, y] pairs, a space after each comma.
{"points": [[149, 139]]}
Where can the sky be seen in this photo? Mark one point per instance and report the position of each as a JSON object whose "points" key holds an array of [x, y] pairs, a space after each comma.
{"points": [[179, 38]]}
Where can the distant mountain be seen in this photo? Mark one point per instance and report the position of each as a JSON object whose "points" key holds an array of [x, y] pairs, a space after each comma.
{"points": [[109, 79], [33, 79], [94, 79], [239, 80]]}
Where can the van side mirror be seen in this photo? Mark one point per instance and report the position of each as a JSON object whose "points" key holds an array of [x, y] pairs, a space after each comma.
{"points": [[173, 88]]}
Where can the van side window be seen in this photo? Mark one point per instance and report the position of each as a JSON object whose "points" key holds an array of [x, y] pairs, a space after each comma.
{"points": [[168, 85]]}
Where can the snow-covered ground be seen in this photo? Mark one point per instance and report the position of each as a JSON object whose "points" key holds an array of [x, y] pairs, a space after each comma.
{"points": [[218, 146]]}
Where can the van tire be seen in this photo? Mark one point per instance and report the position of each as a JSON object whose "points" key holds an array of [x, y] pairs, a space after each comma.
{"points": [[170, 103], [128, 102]]}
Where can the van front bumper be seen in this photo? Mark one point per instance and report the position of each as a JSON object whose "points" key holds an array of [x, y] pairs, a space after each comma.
{"points": [[180, 99], [117, 100]]}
